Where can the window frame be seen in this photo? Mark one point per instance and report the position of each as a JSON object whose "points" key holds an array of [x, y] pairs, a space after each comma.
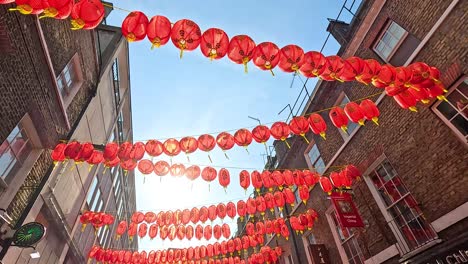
{"points": [[401, 243], [453, 87], [397, 45], [311, 164], [339, 102], [73, 65]]}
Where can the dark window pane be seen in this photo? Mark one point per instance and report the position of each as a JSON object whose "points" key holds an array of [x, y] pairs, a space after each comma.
{"points": [[461, 124], [447, 110]]}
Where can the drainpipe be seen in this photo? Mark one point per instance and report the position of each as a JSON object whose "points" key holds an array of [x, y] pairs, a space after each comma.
{"points": [[51, 71]]}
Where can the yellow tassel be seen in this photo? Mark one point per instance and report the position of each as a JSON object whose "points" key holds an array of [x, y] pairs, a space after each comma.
{"points": [[155, 44], [442, 98], [361, 122], [413, 108], [287, 144], [181, 53], [375, 120], [246, 70], [272, 73], [345, 129], [306, 140], [425, 101], [322, 134]]}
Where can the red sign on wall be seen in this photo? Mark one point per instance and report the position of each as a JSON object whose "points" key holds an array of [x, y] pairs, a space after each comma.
{"points": [[346, 211]]}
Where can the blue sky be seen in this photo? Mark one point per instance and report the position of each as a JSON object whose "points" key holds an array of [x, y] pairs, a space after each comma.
{"points": [[174, 97]]}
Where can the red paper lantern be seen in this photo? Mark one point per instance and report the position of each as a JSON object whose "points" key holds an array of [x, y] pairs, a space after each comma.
{"points": [[304, 193], [241, 50], [158, 31], [194, 215], [169, 218], [186, 35], [289, 196], [313, 65], [206, 143], [128, 165], [27, 7], [370, 71], [291, 58], [161, 168], [58, 9], [285, 232], [261, 134], [299, 125], [406, 101], [243, 137], [288, 178], [87, 14], [132, 230], [224, 178], [226, 230], [370, 110], [204, 214], [207, 232], [180, 232], [353, 67], [244, 179], [278, 179], [385, 77], [58, 154], [266, 56], [326, 185], [250, 229], [334, 66], [188, 145], [110, 151], [125, 150], [150, 217], [121, 228], [231, 209], [134, 26], [420, 94], [142, 230], [112, 163], [317, 125], [192, 172], [280, 131], [87, 149], [145, 166], [279, 200], [212, 212], [221, 211], [310, 178], [153, 231], [261, 204], [267, 180], [185, 218], [172, 232], [171, 147], [154, 148], [72, 150], [138, 217], [189, 232], [298, 177], [214, 43], [241, 209], [96, 158], [338, 118], [225, 141], [217, 232], [269, 201], [208, 174], [251, 206], [257, 181], [354, 112]]}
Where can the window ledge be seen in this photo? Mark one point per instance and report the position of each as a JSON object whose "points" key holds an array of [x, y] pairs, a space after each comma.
{"points": [[420, 249]]}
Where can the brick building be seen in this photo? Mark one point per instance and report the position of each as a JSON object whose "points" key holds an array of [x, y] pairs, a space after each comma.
{"points": [[413, 194], [58, 84]]}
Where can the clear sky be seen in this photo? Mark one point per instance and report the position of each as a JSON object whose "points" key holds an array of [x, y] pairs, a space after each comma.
{"points": [[174, 97]]}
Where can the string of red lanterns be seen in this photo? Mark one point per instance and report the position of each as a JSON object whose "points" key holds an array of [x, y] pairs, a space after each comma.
{"points": [[203, 254]]}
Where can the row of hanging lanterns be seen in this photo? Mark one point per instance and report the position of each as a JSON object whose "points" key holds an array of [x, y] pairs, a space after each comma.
{"points": [[266, 255], [96, 219], [172, 232], [211, 253], [340, 179], [85, 14]]}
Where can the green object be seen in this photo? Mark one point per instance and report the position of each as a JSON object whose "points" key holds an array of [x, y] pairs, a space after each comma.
{"points": [[28, 234]]}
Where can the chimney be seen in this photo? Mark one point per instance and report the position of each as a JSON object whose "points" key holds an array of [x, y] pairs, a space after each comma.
{"points": [[339, 30]]}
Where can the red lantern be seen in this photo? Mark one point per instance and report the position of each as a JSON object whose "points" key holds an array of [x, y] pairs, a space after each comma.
{"points": [[326, 185], [58, 154], [169, 218], [172, 232], [225, 141], [354, 112], [298, 177], [153, 231], [214, 43], [142, 230], [189, 232], [203, 214], [138, 217], [194, 215], [158, 31], [370, 71], [304, 193], [353, 67], [217, 232], [370, 110], [261, 204], [96, 158], [385, 77], [207, 232], [261, 134], [27, 7], [121, 228], [299, 126], [318, 125], [87, 14], [154, 148], [280, 131], [241, 209], [288, 178], [145, 166], [193, 172], [171, 147], [244, 179], [251, 206], [353, 172], [110, 151], [180, 232], [310, 178], [208, 174], [421, 95], [278, 179], [245, 243], [241, 50], [185, 219], [250, 229], [406, 101], [150, 217], [339, 118], [257, 181], [285, 232], [266, 56], [125, 149], [58, 9], [186, 35], [128, 165], [267, 180], [161, 168], [188, 145], [72, 150], [221, 211], [279, 200], [289, 196], [134, 26], [291, 58], [269, 201], [87, 149], [334, 66], [206, 143], [243, 137], [313, 65], [212, 212], [226, 230], [224, 178], [231, 209], [112, 163], [132, 230]]}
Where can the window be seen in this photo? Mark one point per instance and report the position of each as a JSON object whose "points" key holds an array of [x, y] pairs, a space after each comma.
{"points": [[400, 208], [94, 198], [297, 196], [13, 152], [315, 158], [342, 101], [455, 112], [347, 240], [70, 79], [389, 41]]}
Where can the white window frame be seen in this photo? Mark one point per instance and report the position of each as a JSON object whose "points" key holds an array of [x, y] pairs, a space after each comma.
{"points": [[310, 164], [71, 87], [397, 44], [10, 185], [350, 132], [307, 242], [401, 244], [455, 130], [331, 222]]}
